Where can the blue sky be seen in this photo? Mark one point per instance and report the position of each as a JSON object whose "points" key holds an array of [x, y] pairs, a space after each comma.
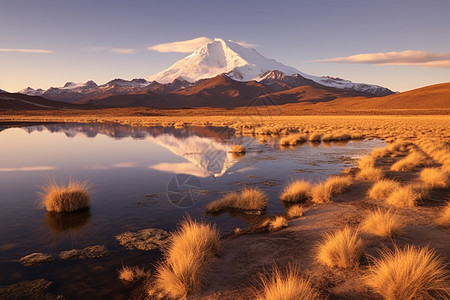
{"points": [[102, 40]]}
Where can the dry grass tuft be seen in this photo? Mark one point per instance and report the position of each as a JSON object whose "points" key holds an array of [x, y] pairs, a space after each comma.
{"points": [[372, 174], [342, 249], [295, 211], [238, 149], [382, 189], [248, 199], [278, 223], [379, 152], [322, 192], [434, 177], [287, 285], [409, 162], [315, 138], [66, 198], [133, 273], [297, 191], [190, 249], [404, 196], [409, 273], [444, 218], [366, 162], [382, 223], [399, 145]]}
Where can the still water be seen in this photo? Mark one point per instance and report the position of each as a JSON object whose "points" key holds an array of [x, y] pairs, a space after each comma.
{"points": [[142, 177]]}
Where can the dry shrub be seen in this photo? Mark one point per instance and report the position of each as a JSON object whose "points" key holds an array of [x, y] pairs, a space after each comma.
{"points": [[404, 196], [322, 192], [366, 162], [278, 223], [409, 273], [434, 177], [191, 247], [372, 174], [379, 152], [315, 137], [444, 218], [295, 211], [287, 285], [342, 249], [399, 145], [248, 199], [297, 191], [409, 162], [382, 223], [133, 273], [382, 189], [66, 198], [239, 149]]}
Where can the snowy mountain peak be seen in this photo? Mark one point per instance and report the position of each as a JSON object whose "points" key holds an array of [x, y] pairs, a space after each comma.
{"points": [[221, 57], [244, 64]]}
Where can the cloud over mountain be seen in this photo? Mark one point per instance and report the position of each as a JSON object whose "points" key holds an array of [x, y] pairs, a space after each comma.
{"points": [[405, 58], [181, 46]]}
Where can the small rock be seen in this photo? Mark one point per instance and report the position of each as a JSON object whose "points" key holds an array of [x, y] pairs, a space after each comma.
{"points": [[35, 259], [33, 289], [145, 239], [88, 252]]}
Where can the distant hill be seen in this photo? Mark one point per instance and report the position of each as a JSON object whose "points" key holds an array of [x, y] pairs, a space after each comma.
{"points": [[14, 101]]}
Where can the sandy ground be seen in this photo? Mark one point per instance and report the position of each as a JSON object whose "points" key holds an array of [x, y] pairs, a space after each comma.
{"points": [[233, 274]]}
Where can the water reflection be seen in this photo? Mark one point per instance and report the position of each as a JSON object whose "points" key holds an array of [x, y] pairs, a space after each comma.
{"points": [[67, 221]]}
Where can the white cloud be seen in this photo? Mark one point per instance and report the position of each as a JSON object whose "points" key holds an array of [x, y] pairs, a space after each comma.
{"points": [[28, 169], [181, 46], [402, 58], [38, 51]]}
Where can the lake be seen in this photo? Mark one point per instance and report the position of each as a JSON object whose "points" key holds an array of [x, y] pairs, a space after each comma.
{"points": [[141, 177]]}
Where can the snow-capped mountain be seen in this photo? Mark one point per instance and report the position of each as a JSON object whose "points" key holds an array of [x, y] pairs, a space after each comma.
{"points": [[244, 64]]}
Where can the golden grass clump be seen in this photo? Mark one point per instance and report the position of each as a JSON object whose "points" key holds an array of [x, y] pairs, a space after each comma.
{"points": [[404, 196], [399, 145], [382, 223], [132, 273], [366, 162], [295, 211], [286, 285], [322, 192], [372, 174], [444, 218], [66, 198], [191, 247], [239, 149], [379, 152], [409, 273], [248, 199], [278, 223], [434, 177], [315, 138], [382, 189], [409, 162], [342, 249], [297, 191]]}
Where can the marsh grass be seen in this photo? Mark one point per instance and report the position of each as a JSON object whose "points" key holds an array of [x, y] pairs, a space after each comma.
{"points": [[382, 223], [372, 174], [297, 191], [323, 191], [404, 196], [278, 223], [315, 137], [409, 162], [382, 189], [434, 177], [191, 247], [66, 198], [133, 273], [248, 199], [295, 211], [237, 149], [342, 249], [285, 285], [409, 273]]}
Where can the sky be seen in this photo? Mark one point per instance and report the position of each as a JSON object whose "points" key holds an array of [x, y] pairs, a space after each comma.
{"points": [[398, 44]]}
